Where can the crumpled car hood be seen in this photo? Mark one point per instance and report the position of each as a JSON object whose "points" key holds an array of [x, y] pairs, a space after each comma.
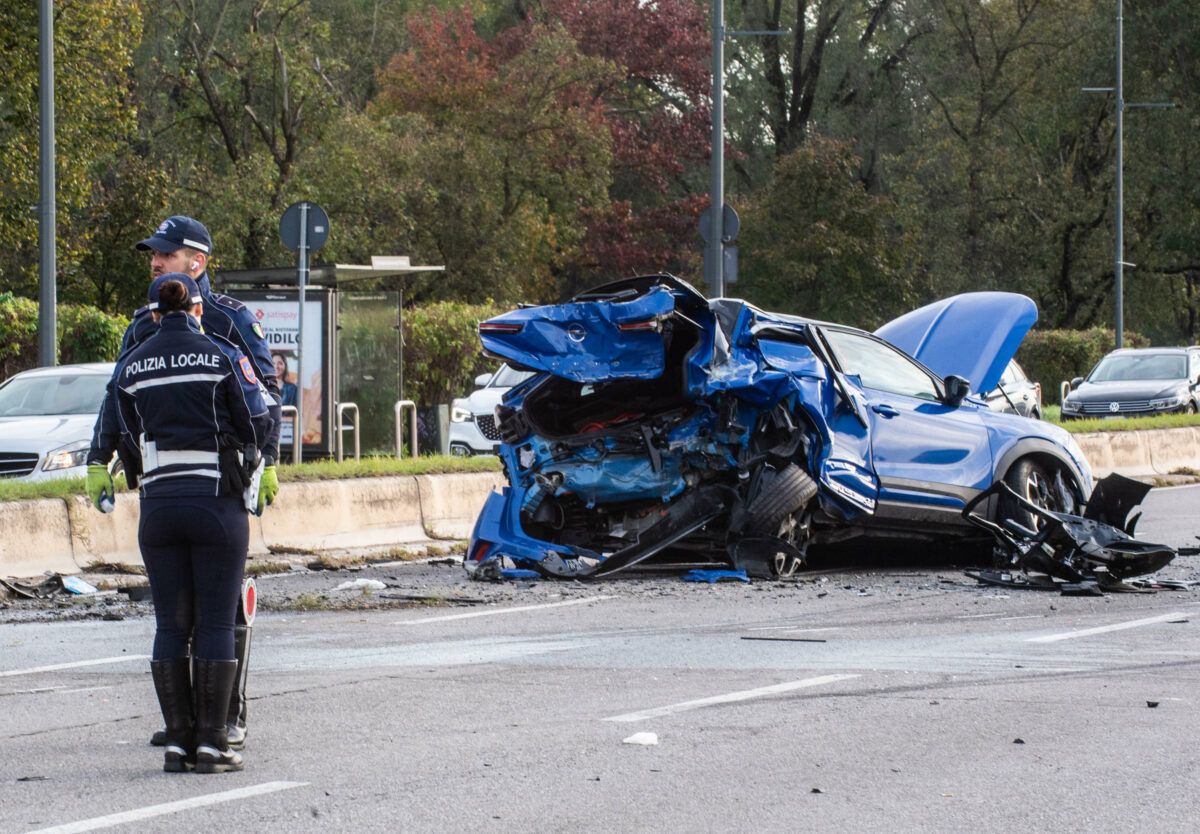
{"points": [[972, 335], [587, 341]]}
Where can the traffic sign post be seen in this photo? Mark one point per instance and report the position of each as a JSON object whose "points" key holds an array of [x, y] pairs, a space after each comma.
{"points": [[303, 228]]}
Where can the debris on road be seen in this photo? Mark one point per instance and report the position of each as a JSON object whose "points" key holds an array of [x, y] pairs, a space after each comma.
{"points": [[1076, 555]]}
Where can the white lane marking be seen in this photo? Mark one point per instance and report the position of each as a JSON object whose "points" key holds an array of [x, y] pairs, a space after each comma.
{"points": [[75, 665], [1088, 632], [792, 629], [490, 612], [150, 811], [728, 698]]}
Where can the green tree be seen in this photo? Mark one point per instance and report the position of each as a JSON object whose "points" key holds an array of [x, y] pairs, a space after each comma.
{"points": [[93, 45], [508, 147], [817, 244]]}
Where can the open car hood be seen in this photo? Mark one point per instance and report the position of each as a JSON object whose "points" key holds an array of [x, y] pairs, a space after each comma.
{"points": [[973, 335]]}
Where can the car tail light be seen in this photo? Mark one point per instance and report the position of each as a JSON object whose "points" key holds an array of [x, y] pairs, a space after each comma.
{"points": [[644, 325], [499, 327], [481, 551]]}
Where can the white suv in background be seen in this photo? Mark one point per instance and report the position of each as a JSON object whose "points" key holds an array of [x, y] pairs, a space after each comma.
{"points": [[472, 419]]}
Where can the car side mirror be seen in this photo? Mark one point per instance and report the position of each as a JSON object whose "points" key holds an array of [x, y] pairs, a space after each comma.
{"points": [[1076, 382], [956, 389], [482, 380]]}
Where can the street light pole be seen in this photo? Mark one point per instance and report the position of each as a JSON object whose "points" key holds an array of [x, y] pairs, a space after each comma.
{"points": [[717, 188], [1119, 263], [47, 228]]}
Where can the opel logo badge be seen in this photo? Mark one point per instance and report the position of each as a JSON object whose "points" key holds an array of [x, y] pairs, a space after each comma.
{"points": [[576, 333], [1114, 407]]}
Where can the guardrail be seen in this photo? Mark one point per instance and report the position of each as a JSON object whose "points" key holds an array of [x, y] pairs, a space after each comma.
{"points": [[342, 408], [290, 412], [400, 407]]}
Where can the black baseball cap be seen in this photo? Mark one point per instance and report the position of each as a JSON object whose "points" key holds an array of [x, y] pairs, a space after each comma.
{"points": [[175, 233]]}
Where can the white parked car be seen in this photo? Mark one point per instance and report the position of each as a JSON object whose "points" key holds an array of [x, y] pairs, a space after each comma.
{"points": [[46, 420], [472, 418]]}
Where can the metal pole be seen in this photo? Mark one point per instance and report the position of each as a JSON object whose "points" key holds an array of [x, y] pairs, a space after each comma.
{"points": [[47, 230], [301, 281], [1120, 224], [717, 188]]}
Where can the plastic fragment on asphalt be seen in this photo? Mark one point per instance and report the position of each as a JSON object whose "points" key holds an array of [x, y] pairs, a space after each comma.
{"points": [[365, 584], [713, 576], [641, 738], [1152, 704], [519, 573], [77, 586]]}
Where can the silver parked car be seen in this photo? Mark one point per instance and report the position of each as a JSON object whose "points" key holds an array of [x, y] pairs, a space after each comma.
{"points": [[1016, 393], [46, 420]]}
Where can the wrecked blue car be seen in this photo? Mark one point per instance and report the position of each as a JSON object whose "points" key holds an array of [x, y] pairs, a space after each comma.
{"points": [[661, 425]]}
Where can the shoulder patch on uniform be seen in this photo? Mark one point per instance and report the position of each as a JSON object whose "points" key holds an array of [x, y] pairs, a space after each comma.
{"points": [[227, 301], [258, 331], [247, 370]]}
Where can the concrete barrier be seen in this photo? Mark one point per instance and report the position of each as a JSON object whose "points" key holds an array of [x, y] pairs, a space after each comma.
{"points": [[104, 537], [35, 536], [364, 512], [1144, 453], [66, 536], [443, 498]]}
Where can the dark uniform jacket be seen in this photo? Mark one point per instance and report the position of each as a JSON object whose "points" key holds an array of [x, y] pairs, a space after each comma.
{"points": [[182, 395], [221, 315]]}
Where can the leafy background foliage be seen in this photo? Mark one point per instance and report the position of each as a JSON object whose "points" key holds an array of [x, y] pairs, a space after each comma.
{"points": [[881, 154]]}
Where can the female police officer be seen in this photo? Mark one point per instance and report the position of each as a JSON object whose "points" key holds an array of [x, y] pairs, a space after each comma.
{"points": [[189, 402]]}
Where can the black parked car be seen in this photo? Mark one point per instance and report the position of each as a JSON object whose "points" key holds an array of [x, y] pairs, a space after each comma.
{"points": [[1016, 393], [1137, 382]]}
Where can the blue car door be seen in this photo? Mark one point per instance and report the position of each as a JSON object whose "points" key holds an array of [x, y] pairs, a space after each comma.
{"points": [[930, 458]]}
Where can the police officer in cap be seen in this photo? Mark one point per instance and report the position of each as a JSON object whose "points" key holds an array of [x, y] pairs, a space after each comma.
{"points": [[193, 406], [182, 244]]}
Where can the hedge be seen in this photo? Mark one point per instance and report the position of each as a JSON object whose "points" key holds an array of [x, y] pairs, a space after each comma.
{"points": [[1053, 356], [85, 334]]}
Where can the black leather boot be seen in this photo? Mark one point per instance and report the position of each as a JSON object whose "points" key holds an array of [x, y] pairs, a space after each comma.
{"points": [[173, 683], [213, 683], [235, 721]]}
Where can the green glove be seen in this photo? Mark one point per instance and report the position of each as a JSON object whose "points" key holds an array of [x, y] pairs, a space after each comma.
{"points": [[100, 487], [268, 487]]}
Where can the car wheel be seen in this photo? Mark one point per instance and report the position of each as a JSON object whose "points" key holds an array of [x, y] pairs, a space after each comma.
{"points": [[780, 509], [1191, 407], [1034, 482]]}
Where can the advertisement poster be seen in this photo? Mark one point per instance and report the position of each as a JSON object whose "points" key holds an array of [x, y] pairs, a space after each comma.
{"points": [[280, 321]]}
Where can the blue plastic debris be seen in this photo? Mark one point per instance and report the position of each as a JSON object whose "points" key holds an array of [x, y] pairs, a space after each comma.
{"points": [[77, 586], [519, 573], [713, 576]]}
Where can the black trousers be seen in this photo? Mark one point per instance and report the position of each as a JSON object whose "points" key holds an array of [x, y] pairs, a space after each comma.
{"points": [[194, 549]]}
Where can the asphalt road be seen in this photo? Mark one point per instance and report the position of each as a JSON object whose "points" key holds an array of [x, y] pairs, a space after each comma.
{"points": [[900, 698]]}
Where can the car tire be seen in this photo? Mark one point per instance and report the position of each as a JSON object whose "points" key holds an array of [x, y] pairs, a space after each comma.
{"points": [[780, 509], [1191, 407], [1034, 482]]}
